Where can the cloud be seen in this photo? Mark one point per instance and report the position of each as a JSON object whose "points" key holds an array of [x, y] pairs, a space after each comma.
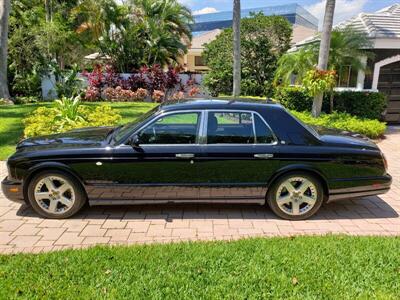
{"points": [[205, 10], [344, 10]]}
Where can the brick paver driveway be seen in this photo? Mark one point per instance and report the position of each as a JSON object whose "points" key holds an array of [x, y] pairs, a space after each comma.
{"points": [[22, 230]]}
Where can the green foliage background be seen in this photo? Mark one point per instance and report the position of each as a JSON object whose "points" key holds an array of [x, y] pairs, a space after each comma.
{"points": [[263, 41]]}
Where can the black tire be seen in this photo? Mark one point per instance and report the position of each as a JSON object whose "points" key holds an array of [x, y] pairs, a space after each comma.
{"points": [[272, 198], [80, 195]]}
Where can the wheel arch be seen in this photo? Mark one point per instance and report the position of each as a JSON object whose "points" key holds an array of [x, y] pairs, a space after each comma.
{"points": [[49, 166], [301, 168]]}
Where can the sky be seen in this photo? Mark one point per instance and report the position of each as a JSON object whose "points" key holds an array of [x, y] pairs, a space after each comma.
{"points": [[345, 9]]}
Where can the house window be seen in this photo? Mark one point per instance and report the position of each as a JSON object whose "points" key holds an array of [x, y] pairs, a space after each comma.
{"points": [[347, 77], [198, 61]]}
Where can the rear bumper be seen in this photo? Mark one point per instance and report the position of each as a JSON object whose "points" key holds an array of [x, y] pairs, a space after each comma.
{"points": [[12, 190], [373, 186]]}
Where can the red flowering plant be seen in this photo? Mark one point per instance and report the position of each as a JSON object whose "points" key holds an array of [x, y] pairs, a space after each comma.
{"points": [[194, 91], [96, 77], [158, 95], [92, 94]]}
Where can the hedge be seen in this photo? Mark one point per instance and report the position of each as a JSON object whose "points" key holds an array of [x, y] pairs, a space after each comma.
{"points": [[343, 121], [368, 105]]}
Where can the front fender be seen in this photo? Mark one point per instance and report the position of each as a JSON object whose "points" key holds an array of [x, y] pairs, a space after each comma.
{"points": [[51, 165]]}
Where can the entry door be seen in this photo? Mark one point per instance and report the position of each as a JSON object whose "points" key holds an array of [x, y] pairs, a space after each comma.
{"points": [[239, 157], [163, 166], [389, 83]]}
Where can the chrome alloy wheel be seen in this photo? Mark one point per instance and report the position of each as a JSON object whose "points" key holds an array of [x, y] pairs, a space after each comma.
{"points": [[296, 196], [54, 194]]}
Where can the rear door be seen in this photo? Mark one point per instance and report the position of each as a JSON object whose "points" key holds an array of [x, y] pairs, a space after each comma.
{"points": [[238, 157]]}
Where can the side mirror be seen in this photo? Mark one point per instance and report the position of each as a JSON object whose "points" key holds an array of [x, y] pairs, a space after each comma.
{"points": [[134, 141]]}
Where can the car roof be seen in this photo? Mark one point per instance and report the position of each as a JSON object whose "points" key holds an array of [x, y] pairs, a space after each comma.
{"points": [[220, 103]]}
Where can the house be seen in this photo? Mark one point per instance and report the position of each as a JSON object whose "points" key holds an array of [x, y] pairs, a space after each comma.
{"points": [[383, 29], [208, 26]]}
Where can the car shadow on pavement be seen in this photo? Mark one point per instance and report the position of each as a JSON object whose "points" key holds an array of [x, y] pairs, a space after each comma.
{"points": [[364, 208]]}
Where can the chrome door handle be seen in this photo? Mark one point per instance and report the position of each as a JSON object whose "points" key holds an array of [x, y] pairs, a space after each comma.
{"points": [[184, 155], [264, 155]]}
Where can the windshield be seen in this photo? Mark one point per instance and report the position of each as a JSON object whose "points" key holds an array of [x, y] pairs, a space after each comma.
{"points": [[131, 126]]}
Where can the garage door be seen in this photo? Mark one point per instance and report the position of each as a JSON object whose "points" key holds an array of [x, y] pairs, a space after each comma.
{"points": [[389, 83]]}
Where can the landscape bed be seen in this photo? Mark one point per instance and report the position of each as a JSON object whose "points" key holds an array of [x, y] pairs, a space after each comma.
{"points": [[327, 267]]}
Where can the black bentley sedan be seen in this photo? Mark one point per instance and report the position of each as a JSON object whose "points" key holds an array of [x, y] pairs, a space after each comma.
{"points": [[196, 151]]}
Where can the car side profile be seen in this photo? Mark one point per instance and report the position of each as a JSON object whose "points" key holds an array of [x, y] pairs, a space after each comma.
{"points": [[194, 151]]}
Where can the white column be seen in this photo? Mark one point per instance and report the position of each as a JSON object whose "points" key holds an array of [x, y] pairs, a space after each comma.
{"points": [[361, 74]]}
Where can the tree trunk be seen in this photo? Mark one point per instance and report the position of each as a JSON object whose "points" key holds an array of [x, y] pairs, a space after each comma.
{"points": [[5, 7], [324, 50], [48, 9], [236, 49]]}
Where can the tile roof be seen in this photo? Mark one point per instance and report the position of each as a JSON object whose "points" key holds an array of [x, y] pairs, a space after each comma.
{"points": [[384, 23]]}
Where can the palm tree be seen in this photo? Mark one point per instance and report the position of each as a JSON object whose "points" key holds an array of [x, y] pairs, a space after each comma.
{"points": [[98, 16], [324, 50], [5, 7], [347, 48], [167, 29], [236, 49], [295, 64]]}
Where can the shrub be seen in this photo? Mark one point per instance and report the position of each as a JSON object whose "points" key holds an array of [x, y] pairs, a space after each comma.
{"points": [[26, 99], [344, 121], [67, 116], [122, 95], [295, 98], [158, 96], [177, 96], [92, 94], [368, 105]]}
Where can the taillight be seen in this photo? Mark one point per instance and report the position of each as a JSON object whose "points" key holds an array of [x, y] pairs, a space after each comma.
{"points": [[385, 163]]}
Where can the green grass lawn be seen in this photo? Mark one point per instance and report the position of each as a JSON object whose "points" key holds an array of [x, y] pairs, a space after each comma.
{"points": [[11, 127], [331, 267]]}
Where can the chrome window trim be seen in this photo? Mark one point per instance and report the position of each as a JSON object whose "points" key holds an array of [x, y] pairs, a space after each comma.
{"points": [[201, 139], [163, 114], [253, 113]]}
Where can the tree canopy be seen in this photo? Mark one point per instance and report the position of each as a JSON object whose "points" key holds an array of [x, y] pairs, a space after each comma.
{"points": [[264, 39]]}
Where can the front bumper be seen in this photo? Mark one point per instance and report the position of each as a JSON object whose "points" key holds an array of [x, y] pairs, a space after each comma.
{"points": [[372, 187], [12, 190]]}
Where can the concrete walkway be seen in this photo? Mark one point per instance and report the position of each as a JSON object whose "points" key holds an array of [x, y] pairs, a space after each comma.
{"points": [[21, 230]]}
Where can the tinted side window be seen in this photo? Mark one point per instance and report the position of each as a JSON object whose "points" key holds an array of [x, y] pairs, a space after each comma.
{"points": [[263, 133], [179, 128], [230, 128]]}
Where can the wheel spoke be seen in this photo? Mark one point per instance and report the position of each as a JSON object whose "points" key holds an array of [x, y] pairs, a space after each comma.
{"points": [[53, 206], [65, 201], [295, 208], [309, 200], [284, 200], [289, 187], [304, 186], [49, 184], [63, 188], [42, 195]]}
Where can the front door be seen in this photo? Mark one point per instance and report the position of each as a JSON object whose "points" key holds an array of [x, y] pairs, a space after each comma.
{"points": [[163, 166], [389, 83], [239, 157]]}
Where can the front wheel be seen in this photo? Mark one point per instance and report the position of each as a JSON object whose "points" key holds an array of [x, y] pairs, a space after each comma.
{"points": [[55, 195], [295, 196]]}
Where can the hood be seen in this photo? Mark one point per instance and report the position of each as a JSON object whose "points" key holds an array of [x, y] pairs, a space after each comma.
{"points": [[344, 138], [83, 137]]}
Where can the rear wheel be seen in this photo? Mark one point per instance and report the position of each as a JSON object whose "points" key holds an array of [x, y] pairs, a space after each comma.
{"points": [[295, 196], [55, 194]]}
